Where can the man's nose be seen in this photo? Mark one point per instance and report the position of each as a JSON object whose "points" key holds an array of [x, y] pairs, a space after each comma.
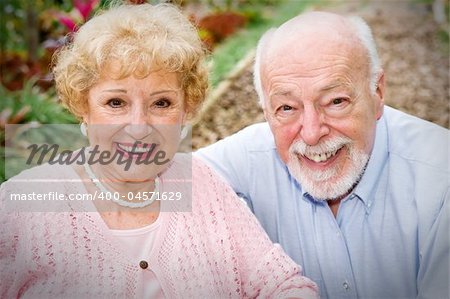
{"points": [[138, 125], [313, 127]]}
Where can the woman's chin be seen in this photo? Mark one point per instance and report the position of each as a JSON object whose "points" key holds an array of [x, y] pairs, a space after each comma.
{"points": [[137, 173]]}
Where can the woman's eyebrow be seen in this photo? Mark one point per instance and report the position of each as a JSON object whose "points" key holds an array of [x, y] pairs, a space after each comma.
{"points": [[115, 90], [153, 93]]}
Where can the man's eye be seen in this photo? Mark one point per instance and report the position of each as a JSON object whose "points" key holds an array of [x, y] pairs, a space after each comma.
{"points": [[286, 108], [115, 103], [162, 103]]}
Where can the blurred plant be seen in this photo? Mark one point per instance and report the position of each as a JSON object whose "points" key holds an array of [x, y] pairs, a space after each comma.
{"points": [[225, 17], [19, 36], [31, 31], [440, 9], [31, 104], [79, 14], [216, 27], [236, 5]]}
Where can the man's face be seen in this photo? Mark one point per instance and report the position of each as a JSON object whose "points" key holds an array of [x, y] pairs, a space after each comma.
{"points": [[322, 114]]}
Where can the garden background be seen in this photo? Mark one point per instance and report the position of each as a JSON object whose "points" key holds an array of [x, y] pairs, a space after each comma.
{"points": [[412, 38]]}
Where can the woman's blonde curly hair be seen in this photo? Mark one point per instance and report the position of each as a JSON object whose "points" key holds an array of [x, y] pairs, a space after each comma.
{"points": [[138, 39]]}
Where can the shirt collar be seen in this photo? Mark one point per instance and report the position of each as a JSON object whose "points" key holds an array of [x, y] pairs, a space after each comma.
{"points": [[366, 187]]}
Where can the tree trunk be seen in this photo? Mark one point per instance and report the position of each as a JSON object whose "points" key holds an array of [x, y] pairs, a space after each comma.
{"points": [[32, 33]]}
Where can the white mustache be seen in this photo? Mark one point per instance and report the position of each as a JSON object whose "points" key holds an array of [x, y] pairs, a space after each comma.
{"points": [[331, 145]]}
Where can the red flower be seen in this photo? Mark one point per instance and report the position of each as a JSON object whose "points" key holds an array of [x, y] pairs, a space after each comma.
{"points": [[78, 15], [85, 7], [67, 21]]}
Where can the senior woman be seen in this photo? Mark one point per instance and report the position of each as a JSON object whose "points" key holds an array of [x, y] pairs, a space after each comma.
{"points": [[134, 75]]}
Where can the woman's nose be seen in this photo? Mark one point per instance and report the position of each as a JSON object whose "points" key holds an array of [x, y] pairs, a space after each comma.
{"points": [[138, 126], [138, 131]]}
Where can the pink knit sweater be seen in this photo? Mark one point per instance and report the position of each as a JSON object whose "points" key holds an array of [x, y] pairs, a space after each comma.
{"points": [[216, 251]]}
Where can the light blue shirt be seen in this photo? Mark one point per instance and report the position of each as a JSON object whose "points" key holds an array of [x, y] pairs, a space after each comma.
{"points": [[390, 238]]}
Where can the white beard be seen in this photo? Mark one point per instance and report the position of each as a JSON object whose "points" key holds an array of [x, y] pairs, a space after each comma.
{"points": [[333, 182]]}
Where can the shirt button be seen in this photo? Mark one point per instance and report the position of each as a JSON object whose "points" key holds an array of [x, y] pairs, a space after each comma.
{"points": [[346, 285], [143, 264]]}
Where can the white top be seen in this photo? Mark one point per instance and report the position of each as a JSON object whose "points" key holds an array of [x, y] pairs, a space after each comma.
{"points": [[138, 244]]}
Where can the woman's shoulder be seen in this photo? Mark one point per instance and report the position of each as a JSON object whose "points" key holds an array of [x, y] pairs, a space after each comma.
{"points": [[188, 166], [44, 172], [202, 180], [42, 177], [210, 185]]}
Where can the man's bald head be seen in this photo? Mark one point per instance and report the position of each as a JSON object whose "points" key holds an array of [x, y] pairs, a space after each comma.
{"points": [[314, 32]]}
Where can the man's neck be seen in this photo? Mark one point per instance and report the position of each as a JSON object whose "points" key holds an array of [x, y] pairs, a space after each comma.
{"points": [[334, 206], [334, 203]]}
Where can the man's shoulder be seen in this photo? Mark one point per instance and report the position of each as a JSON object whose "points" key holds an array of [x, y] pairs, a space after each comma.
{"points": [[256, 137], [417, 140]]}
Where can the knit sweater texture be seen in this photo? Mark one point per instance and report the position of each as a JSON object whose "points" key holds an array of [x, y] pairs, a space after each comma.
{"points": [[217, 250]]}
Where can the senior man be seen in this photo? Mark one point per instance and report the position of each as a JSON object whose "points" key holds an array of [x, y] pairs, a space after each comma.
{"points": [[355, 191]]}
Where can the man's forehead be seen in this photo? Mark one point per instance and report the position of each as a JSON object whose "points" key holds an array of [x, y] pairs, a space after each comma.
{"points": [[311, 29], [315, 21], [290, 88], [313, 49], [312, 60]]}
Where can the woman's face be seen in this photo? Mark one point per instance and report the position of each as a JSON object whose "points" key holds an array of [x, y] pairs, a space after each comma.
{"points": [[138, 121]]}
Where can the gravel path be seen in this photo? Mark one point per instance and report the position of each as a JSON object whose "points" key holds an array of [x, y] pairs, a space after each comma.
{"points": [[416, 63]]}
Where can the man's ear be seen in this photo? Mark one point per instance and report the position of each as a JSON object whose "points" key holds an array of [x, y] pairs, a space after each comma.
{"points": [[265, 113], [379, 95]]}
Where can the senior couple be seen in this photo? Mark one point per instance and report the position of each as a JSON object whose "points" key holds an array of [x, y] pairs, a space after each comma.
{"points": [[355, 192]]}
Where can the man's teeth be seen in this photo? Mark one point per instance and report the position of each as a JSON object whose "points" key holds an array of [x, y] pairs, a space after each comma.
{"points": [[134, 149], [321, 157]]}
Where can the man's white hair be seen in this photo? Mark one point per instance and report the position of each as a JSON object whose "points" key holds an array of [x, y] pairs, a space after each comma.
{"points": [[364, 34], [263, 41]]}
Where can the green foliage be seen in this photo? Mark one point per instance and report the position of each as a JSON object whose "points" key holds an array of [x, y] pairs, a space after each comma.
{"points": [[43, 107], [13, 21], [444, 41], [2, 165], [226, 55], [40, 107], [227, 5], [14, 166]]}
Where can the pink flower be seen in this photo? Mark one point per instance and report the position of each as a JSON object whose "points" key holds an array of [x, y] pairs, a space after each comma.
{"points": [[85, 7], [67, 21], [78, 15]]}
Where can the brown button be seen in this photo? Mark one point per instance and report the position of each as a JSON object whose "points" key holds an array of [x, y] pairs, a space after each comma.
{"points": [[143, 264]]}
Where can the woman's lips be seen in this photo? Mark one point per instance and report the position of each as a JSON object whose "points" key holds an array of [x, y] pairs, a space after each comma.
{"points": [[136, 150]]}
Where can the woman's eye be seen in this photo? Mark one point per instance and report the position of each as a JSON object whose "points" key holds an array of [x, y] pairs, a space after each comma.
{"points": [[115, 103], [337, 101], [162, 103]]}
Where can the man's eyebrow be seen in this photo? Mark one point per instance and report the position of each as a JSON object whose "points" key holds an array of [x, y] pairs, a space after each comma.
{"points": [[280, 93], [335, 84], [332, 85]]}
